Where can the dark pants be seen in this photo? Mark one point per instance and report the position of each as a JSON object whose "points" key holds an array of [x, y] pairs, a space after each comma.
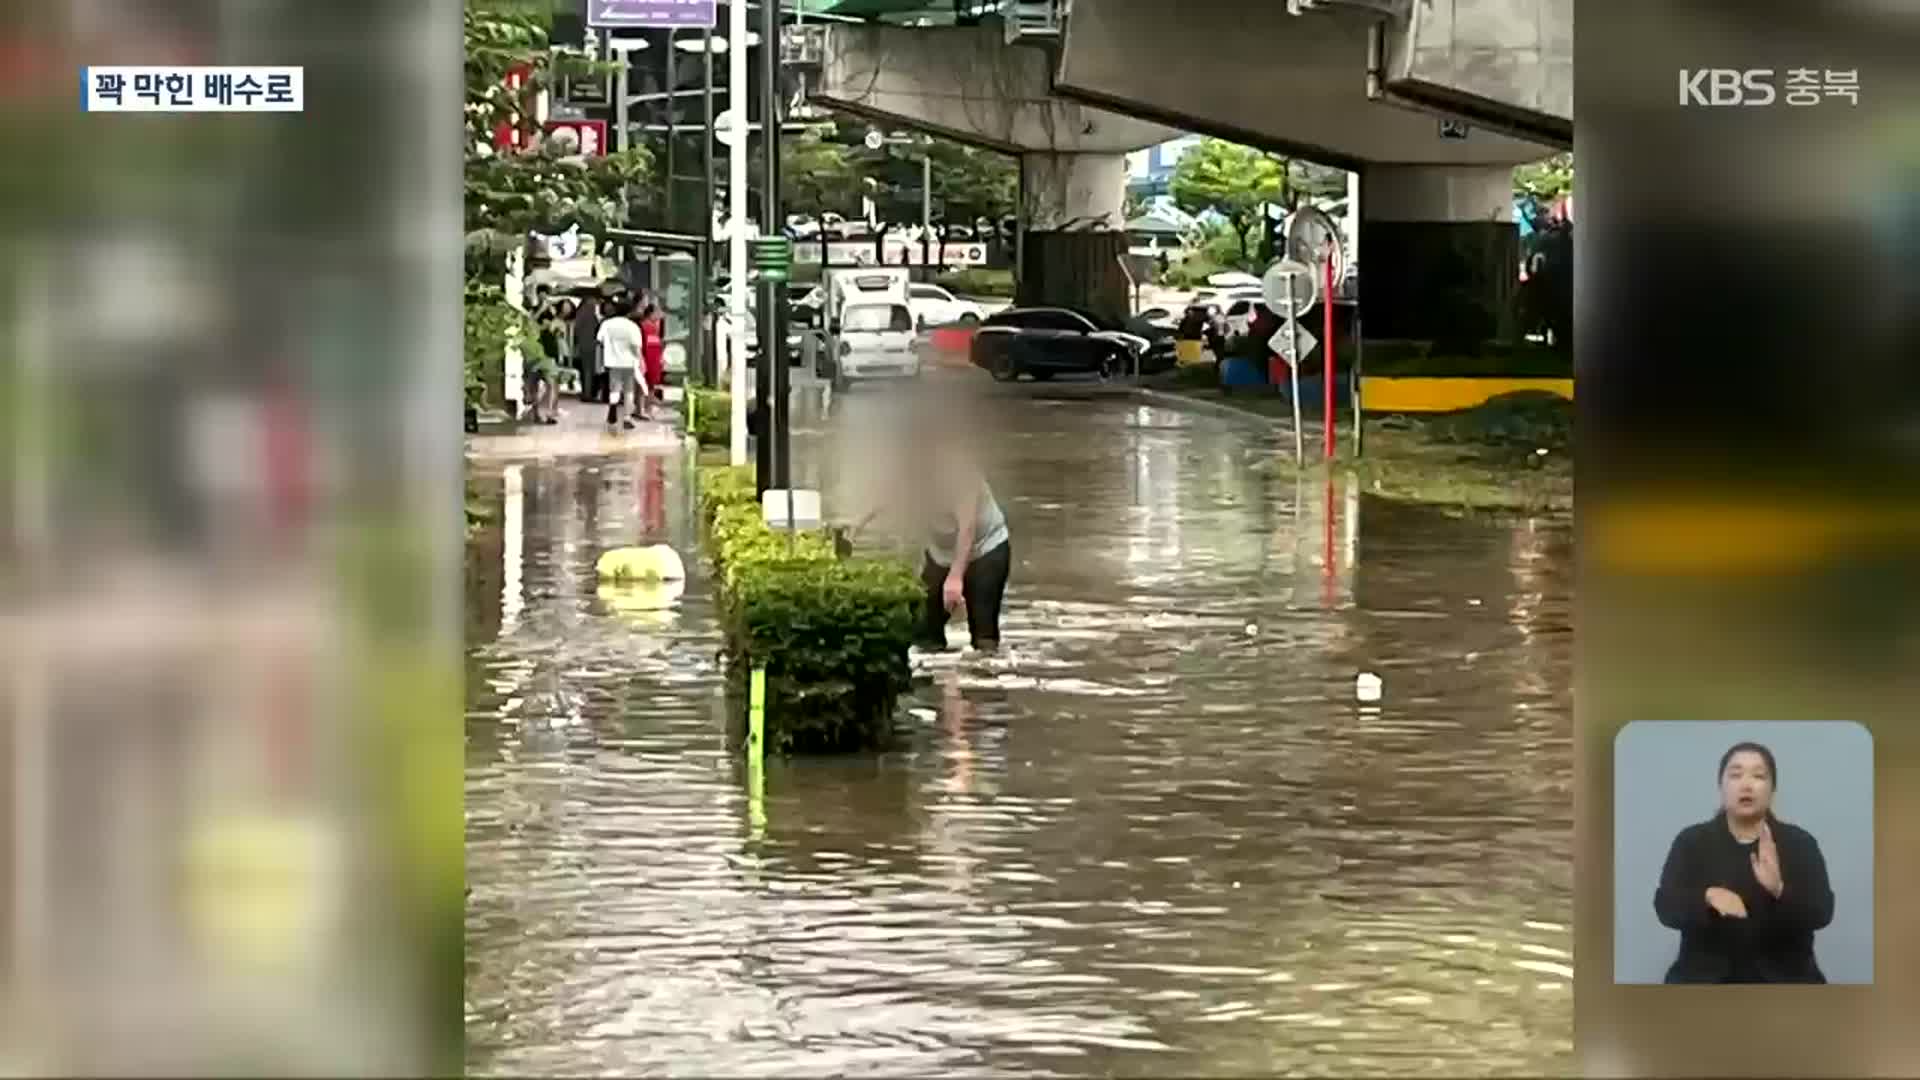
{"points": [[984, 585]]}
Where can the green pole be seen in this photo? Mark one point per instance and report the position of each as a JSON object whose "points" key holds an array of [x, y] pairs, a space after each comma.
{"points": [[756, 753]]}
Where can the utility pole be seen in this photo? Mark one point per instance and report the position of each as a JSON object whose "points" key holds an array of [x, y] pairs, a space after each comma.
{"points": [[774, 373], [737, 224], [703, 357], [672, 103]]}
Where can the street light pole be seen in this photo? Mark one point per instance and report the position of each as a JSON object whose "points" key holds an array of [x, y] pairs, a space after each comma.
{"points": [[704, 367], [622, 132], [926, 207], [774, 366], [737, 226]]}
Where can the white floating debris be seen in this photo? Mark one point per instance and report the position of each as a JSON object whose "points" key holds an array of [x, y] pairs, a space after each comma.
{"points": [[1253, 630], [1368, 686], [1540, 452]]}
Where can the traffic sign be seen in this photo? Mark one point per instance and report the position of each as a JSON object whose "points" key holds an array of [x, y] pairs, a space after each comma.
{"points": [[1311, 234], [874, 139], [1291, 337], [772, 257], [678, 14], [1290, 287]]}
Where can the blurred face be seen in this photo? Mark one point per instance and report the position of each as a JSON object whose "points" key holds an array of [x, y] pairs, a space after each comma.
{"points": [[1746, 786]]}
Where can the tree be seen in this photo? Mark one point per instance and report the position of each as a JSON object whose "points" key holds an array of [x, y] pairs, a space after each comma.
{"points": [[512, 193], [1231, 180], [1545, 180], [970, 183], [817, 177], [1238, 182], [509, 193]]}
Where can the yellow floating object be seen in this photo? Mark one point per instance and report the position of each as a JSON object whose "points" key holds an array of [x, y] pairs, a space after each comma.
{"points": [[646, 603], [1429, 394], [641, 564]]}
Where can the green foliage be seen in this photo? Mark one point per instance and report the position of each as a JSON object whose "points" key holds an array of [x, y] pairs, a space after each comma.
{"points": [[970, 183], [833, 635], [978, 281], [712, 412], [491, 325], [830, 169], [1545, 180], [1237, 182], [510, 194], [818, 175]]}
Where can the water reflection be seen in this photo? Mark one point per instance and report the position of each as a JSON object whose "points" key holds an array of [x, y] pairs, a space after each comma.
{"points": [[1157, 836]]}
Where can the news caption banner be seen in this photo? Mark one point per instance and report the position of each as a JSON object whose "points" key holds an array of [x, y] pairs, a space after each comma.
{"points": [[175, 88], [1760, 87]]}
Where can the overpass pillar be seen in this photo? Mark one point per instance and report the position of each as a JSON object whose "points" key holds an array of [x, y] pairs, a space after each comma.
{"points": [[1072, 217], [1442, 253]]}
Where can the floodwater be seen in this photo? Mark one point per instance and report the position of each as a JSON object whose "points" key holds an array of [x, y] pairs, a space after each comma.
{"points": [[1158, 836]]}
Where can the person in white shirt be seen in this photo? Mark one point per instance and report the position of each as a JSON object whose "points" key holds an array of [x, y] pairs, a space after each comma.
{"points": [[620, 343]]}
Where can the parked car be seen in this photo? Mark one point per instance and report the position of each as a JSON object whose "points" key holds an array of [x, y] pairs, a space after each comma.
{"points": [[1224, 312], [875, 341], [935, 306], [1045, 342], [1158, 317]]}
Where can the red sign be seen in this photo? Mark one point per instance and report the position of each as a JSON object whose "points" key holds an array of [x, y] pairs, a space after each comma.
{"points": [[589, 136], [507, 134]]}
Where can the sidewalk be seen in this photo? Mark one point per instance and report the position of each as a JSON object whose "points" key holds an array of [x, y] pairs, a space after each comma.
{"points": [[581, 432]]}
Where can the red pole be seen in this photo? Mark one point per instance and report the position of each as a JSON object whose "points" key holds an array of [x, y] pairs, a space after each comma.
{"points": [[1326, 360]]}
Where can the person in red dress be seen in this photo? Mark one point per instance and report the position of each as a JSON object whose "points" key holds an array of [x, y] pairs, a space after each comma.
{"points": [[653, 353]]}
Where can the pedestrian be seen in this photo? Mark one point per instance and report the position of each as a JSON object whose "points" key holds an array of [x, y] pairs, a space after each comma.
{"points": [[563, 316], [543, 382], [620, 346], [653, 331], [586, 354], [968, 552]]}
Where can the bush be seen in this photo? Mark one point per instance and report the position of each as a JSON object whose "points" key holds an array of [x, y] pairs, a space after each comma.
{"points": [[833, 635], [977, 281], [712, 414]]}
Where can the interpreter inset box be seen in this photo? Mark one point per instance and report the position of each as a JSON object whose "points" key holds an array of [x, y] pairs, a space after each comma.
{"points": [[1743, 852]]}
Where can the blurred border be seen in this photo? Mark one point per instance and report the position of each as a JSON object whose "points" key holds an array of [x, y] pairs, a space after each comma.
{"points": [[229, 594], [1746, 319]]}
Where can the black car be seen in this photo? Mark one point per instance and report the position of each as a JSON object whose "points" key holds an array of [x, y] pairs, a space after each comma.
{"points": [[1045, 342]]}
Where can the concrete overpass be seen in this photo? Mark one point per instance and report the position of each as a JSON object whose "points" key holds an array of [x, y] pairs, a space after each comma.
{"points": [[1432, 102], [971, 84]]}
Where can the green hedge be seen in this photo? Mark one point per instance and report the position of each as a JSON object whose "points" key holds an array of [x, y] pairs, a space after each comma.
{"points": [[832, 634], [712, 412], [977, 281], [1523, 360]]}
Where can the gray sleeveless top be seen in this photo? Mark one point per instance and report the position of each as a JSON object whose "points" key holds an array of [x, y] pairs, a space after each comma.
{"points": [[989, 529]]}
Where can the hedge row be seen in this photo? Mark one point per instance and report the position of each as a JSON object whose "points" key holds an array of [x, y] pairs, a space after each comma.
{"points": [[832, 634], [711, 413]]}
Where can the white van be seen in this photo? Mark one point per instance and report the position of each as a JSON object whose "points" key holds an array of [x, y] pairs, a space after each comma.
{"points": [[876, 341], [865, 285]]}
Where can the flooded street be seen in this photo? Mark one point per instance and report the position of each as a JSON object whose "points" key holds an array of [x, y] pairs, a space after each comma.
{"points": [[1158, 836]]}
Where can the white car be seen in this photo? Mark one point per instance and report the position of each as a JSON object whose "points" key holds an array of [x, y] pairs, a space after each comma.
{"points": [[1238, 308], [876, 341], [935, 306]]}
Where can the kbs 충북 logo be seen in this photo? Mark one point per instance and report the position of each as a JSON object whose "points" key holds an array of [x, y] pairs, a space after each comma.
{"points": [[1757, 87]]}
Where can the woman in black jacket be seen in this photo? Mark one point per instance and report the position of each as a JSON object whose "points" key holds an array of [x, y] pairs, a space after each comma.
{"points": [[1745, 889]]}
